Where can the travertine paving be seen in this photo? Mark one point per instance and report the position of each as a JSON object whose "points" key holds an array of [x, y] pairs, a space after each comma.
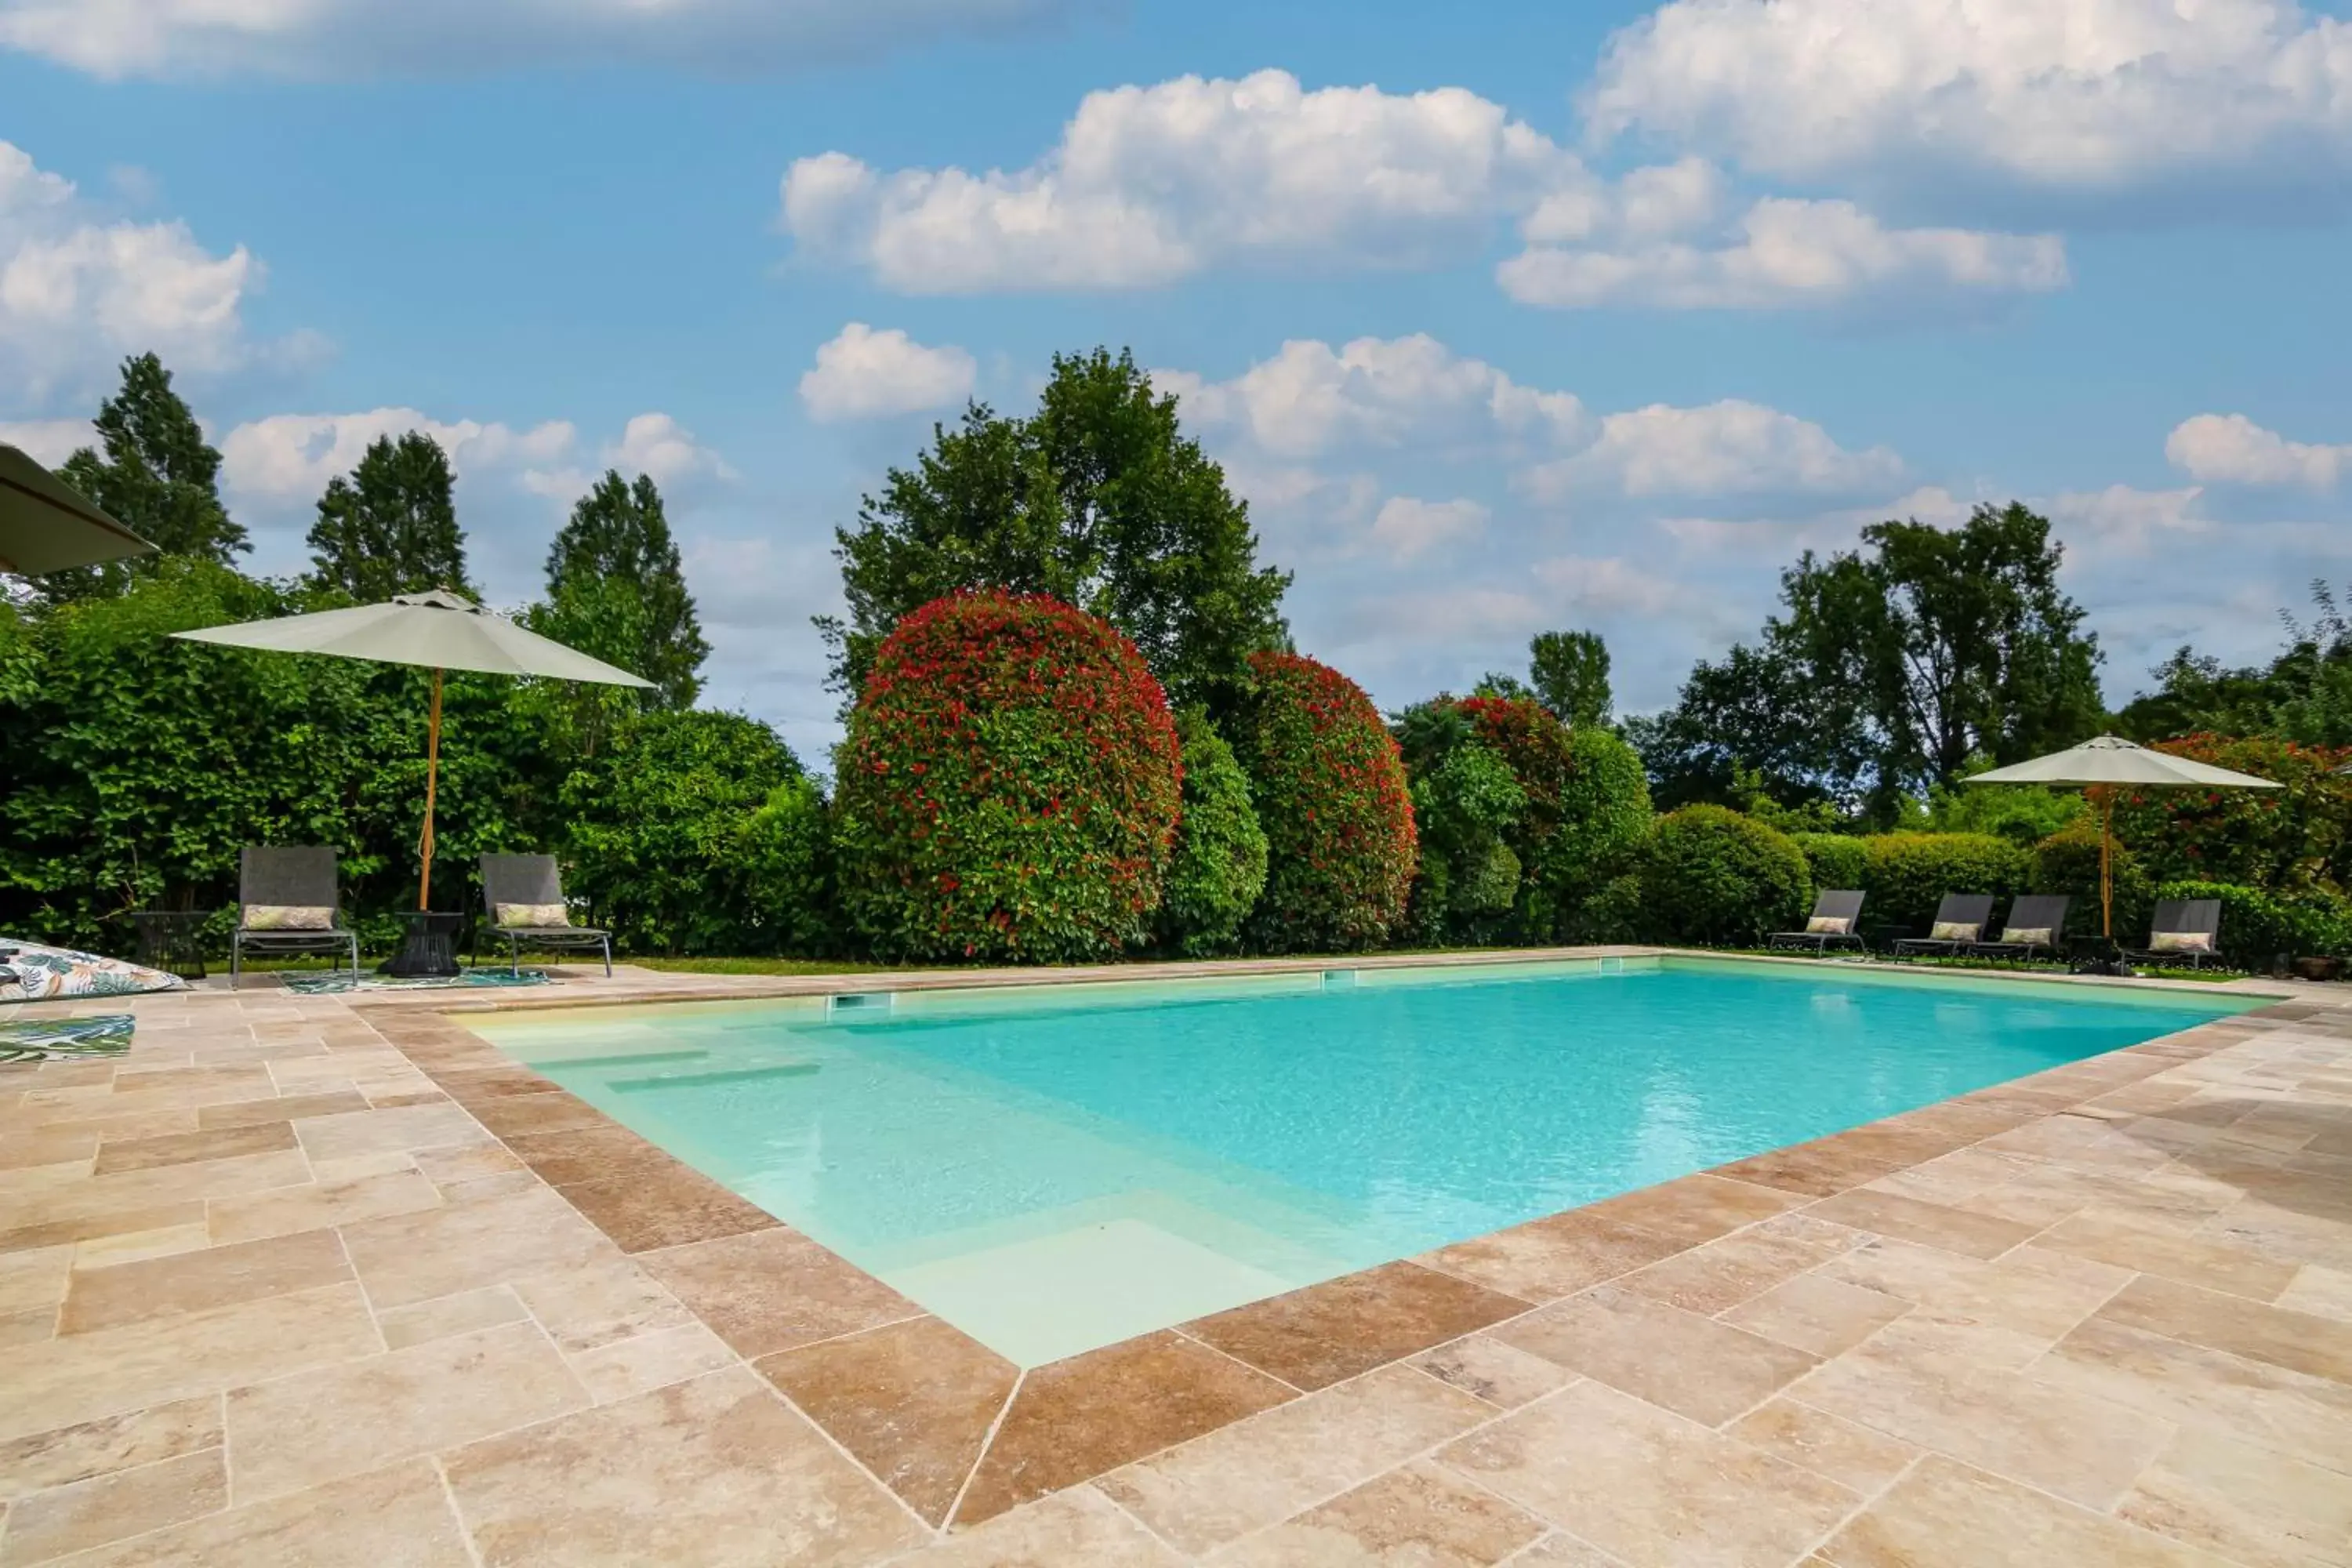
{"points": [[305, 1282]]}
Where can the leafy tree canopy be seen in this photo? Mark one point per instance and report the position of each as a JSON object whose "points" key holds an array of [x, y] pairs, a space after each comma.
{"points": [[1889, 669], [1097, 499], [2304, 694], [1570, 671], [158, 478], [616, 589], [391, 527]]}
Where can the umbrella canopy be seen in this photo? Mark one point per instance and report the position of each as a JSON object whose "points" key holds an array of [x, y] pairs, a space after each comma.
{"points": [[437, 630], [2102, 765], [46, 526]]}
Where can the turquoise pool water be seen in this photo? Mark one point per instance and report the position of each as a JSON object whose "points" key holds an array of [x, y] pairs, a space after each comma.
{"points": [[1058, 1168]]}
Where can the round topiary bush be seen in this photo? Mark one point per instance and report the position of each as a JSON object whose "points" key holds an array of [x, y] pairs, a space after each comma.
{"points": [[2068, 862], [1220, 865], [1330, 793], [1009, 788], [1713, 877], [1837, 861], [1908, 874], [1604, 817]]}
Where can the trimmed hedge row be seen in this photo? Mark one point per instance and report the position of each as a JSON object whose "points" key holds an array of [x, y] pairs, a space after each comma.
{"points": [[1711, 876]]}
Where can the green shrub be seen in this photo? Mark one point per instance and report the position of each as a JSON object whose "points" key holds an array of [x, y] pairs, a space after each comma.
{"points": [[1837, 861], [1908, 874], [2068, 862], [1330, 793], [2256, 928], [1009, 788], [1604, 814], [656, 824], [1713, 877], [2286, 841], [1613, 914], [783, 857], [1219, 865]]}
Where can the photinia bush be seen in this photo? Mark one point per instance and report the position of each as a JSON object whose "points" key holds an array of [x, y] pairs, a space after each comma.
{"points": [[2289, 841], [1330, 792], [1009, 788]]}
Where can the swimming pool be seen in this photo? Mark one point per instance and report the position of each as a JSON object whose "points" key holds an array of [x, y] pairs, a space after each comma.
{"points": [[1057, 1168]]}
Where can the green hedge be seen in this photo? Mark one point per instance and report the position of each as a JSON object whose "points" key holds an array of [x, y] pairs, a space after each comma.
{"points": [[1330, 793], [1837, 861], [2257, 929], [1009, 787], [1907, 874], [2068, 862], [1220, 865], [1604, 815], [1713, 877]]}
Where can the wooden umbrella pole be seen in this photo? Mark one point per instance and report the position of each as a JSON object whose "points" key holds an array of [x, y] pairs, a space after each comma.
{"points": [[432, 776]]}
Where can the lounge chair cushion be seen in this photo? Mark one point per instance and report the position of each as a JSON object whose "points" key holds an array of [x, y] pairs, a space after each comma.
{"points": [[1953, 930], [289, 917], [534, 917], [2180, 942], [43, 974], [2026, 936], [1828, 925]]}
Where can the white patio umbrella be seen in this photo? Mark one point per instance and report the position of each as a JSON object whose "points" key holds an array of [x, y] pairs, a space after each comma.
{"points": [[46, 525], [2102, 765], [438, 630]]}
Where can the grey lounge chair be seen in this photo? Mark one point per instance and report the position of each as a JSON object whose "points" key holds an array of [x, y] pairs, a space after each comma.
{"points": [[1831, 906], [1973, 911], [534, 879], [2189, 917], [298, 876], [2035, 911]]}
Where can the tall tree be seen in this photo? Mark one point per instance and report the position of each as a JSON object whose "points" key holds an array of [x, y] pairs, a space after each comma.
{"points": [[1570, 671], [391, 527], [1098, 499], [616, 589], [159, 477], [1891, 667], [2304, 694]]}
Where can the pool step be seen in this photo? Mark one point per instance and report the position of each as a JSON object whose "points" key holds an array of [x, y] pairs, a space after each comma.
{"points": [[706, 1080]]}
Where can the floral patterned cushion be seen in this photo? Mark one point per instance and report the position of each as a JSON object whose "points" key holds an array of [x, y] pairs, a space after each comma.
{"points": [[1953, 930], [534, 917], [43, 974], [1829, 925], [289, 917]]}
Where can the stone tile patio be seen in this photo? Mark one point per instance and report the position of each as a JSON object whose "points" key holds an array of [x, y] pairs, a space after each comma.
{"points": [[329, 1280]]}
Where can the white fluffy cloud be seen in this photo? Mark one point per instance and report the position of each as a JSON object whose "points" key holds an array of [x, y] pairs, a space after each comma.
{"points": [[1407, 527], [360, 37], [1150, 184], [2231, 449], [863, 374], [78, 291], [1379, 392], [1731, 447], [49, 441], [2124, 518], [1781, 253], [2066, 93]]}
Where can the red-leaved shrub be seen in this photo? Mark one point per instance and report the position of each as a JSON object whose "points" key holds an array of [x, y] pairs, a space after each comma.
{"points": [[1010, 785]]}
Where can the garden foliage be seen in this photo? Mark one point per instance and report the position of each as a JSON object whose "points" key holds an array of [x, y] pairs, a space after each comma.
{"points": [[1219, 865], [1837, 861], [1713, 877], [2292, 841], [1907, 874], [2068, 862], [1009, 788], [1332, 794]]}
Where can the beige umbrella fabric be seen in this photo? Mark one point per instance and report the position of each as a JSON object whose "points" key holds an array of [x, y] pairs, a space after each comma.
{"points": [[46, 525], [2109, 762], [437, 630]]}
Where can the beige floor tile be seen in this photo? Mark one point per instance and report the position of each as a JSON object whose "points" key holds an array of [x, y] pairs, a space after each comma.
{"points": [[1696, 1209], [113, 1507], [2078, 1445], [186, 1148], [445, 1315], [619, 1368], [1076, 1526], [2321, 1292], [1501, 1374], [297, 1432], [716, 1471], [769, 1291], [131, 1247], [2321, 1347], [1215, 1488], [2287, 1234], [71, 1453], [1945, 1515], [597, 1303], [1547, 1258], [1855, 1457], [2153, 1249], [33, 1280], [466, 1162], [1904, 1269], [1418, 1516], [1964, 1231], [325, 1203], [81, 1377], [395, 1518], [1818, 1314], [199, 1280], [279, 1108], [1560, 1550], [402, 1259], [1647, 1486], [374, 1131], [2248, 1504], [171, 1187], [1706, 1370], [1722, 1274], [27, 1328]]}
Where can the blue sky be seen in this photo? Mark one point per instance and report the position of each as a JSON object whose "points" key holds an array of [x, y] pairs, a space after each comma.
{"points": [[1530, 317]]}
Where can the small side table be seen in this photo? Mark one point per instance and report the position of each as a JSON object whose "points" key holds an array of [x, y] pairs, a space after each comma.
{"points": [[2095, 956], [430, 948], [172, 940]]}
